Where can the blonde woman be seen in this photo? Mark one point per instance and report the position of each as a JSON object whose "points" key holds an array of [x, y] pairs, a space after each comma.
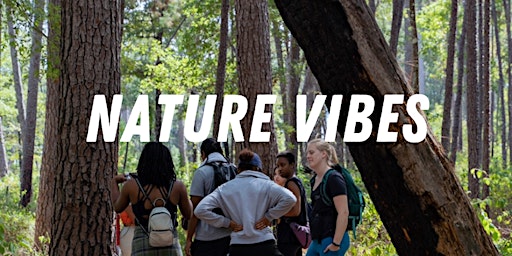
{"points": [[329, 222]]}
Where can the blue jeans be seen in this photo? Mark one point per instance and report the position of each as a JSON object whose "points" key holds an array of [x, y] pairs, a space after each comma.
{"points": [[316, 248]]}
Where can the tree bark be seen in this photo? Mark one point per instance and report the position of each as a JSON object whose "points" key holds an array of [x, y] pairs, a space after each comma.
{"points": [[280, 74], [293, 84], [182, 144], [448, 83], [311, 89], [457, 118], [45, 211], [221, 65], [16, 71], [30, 120], [472, 98], [89, 63], [486, 108], [348, 54], [254, 72], [4, 167], [501, 89], [396, 24], [506, 5], [414, 75]]}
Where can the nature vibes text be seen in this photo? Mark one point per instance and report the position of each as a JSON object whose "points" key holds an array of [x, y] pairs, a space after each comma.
{"points": [[360, 108]]}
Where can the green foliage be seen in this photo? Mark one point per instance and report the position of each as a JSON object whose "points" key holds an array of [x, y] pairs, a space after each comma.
{"points": [[16, 223]]}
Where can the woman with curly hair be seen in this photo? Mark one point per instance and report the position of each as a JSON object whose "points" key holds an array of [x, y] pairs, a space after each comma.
{"points": [[155, 179]]}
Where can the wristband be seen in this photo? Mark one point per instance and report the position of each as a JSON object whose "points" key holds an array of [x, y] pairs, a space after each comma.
{"points": [[335, 244]]}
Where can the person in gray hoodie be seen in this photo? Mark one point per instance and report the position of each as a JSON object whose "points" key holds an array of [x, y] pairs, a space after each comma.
{"points": [[250, 203]]}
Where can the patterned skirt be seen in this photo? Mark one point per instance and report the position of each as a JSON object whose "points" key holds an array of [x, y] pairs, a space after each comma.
{"points": [[140, 245]]}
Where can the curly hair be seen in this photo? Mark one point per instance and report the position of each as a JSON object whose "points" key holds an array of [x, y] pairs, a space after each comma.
{"points": [[155, 165], [245, 159]]}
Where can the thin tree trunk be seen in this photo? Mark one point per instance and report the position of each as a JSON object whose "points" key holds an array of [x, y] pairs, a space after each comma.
{"points": [[158, 114], [501, 90], [182, 144], [16, 71], [448, 83], [280, 74], [396, 23], [486, 95], [506, 5], [310, 88], [33, 84], [414, 82], [408, 56], [373, 7], [472, 98], [221, 65], [457, 118], [4, 167], [436, 217], [294, 74], [254, 72]]}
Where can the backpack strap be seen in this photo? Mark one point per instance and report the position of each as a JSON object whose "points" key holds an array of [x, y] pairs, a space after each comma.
{"points": [[323, 188], [144, 192]]}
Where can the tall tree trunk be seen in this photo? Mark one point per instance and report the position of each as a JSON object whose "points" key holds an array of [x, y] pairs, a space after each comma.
{"points": [[506, 5], [408, 58], [486, 140], [158, 114], [436, 217], [396, 23], [254, 71], [280, 74], [4, 167], [221, 65], [311, 89], [414, 82], [457, 112], [472, 97], [448, 83], [293, 74], [33, 84], [89, 64], [501, 90], [373, 7], [16, 71], [44, 212], [182, 144]]}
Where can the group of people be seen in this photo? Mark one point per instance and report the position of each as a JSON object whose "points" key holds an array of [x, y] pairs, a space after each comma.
{"points": [[235, 218]]}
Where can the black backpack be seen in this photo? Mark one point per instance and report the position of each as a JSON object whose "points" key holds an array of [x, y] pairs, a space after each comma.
{"points": [[223, 172], [355, 197]]}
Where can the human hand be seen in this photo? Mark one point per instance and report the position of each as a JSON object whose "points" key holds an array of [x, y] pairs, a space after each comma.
{"points": [[235, 226], [331, 247], [262, 223], [119, 178], [188, 247]]}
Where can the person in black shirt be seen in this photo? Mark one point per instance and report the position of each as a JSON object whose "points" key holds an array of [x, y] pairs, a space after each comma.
{"points": [[329, 222], [287, 242]]}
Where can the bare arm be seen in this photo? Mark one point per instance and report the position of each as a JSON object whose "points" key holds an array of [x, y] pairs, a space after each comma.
{"points": [[120, 199], [184, 203], [192, 224], [341, 204], [295, 211]]}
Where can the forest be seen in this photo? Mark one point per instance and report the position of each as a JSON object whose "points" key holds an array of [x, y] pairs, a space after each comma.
{"points": [[446, 194]]}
